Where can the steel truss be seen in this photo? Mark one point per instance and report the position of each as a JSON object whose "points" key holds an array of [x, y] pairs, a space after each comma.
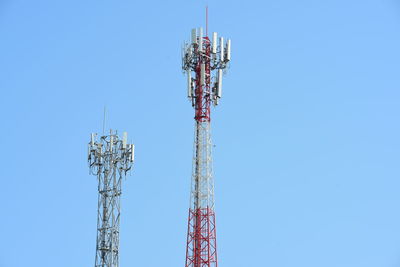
{"points": [[201, 249], [206, 61], [109, 159]]}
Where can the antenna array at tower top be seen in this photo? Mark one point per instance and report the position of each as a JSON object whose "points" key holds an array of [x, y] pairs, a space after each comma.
{"points": [[203, 56]]}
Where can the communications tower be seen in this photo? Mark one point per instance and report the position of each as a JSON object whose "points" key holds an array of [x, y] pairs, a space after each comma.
{"points": [[110, 159], [203, 61]]}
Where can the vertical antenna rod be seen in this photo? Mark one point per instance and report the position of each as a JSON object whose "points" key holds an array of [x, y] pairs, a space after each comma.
{"points": [[110, 159], [203, 61], [104, 118], [206, 20]]}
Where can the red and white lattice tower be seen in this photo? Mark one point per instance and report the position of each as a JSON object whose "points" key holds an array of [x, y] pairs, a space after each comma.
{"points": [[203, 61]]}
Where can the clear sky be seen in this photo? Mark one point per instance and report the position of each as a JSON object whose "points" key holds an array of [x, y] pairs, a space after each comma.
{"points": [[307, 136]]}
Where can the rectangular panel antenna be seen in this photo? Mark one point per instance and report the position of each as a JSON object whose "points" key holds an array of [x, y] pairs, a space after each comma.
{"points": [[221, 45], [189, 50], [132, 152], [202, 74], [124, 140], [214, 43], [219, 88], [194, 37], [228, 50], [92, 137], [200, 39]]}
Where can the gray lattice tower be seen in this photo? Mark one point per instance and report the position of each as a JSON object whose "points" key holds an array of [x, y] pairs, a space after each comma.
{"points": [[110, 158]]}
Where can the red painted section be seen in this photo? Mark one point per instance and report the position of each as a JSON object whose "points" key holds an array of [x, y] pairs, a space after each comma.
{"points": [[202, 98], [201, 250]]}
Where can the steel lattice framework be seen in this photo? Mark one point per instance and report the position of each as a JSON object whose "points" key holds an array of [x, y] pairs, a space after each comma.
{"points": [[109, 159], [206, 61]]}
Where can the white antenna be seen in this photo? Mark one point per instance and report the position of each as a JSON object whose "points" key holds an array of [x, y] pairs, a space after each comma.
{"points": [[221, 45], [219, 86], [124, 139], [194, 36], [202, 74], [200, 39], [92, 137], [214, 43], [104, 119], [132, 152]]}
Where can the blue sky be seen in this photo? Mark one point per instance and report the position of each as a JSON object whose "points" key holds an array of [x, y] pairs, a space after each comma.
{"points": [[307, 136]]}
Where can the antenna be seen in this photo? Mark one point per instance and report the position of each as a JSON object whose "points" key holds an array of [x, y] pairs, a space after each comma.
{"points": [[104, 118], [206, 20], [203, 60]]}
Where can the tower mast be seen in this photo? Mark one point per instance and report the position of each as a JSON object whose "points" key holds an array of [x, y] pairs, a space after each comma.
{"points": [[110, 159], [203, 61]]}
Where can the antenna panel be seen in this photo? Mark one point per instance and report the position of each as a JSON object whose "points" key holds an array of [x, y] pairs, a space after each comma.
{"points": [[92, 137], [200, 39], [189, 50], [228, 50], [99, 148], [124, 140], [219, 88], [194, 37], [221, 45], [214, 43], [202, 74]]}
